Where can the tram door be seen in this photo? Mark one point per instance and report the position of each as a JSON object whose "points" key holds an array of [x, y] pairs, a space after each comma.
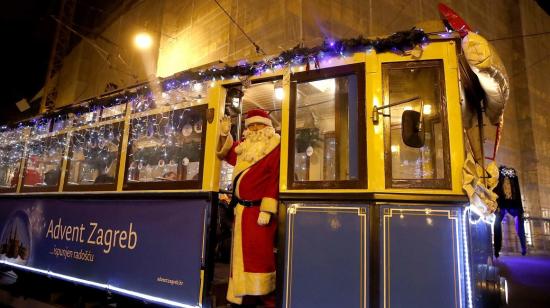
{"points": [[267, 95]]}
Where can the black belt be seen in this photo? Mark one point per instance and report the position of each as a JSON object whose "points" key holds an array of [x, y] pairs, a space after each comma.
{"points": [[248, 203], [234, 200]]}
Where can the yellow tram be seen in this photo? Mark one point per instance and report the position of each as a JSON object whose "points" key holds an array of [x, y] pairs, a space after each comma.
{"points": [[121, 192]]}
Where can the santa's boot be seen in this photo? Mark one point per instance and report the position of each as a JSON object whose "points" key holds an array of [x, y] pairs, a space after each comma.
{"points": [[268, 300]]}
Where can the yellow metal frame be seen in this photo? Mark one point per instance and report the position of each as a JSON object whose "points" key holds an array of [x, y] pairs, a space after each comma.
{"points": [[445, 51]]}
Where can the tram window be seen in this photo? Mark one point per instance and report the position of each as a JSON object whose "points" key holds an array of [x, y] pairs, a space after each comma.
{"points": [[86, 118], [166, 150], [113, 112], [267, 95], [327, 128], [42, 126], [93, 158], [60, 122], [43, 164], [427, 166], [12, 145], [183, 95]]}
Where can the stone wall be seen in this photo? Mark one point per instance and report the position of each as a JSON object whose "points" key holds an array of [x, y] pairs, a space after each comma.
{"points": [[192, 33]]}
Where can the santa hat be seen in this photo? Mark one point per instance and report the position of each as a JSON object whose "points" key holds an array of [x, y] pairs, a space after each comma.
{"points": [[257, 116]]}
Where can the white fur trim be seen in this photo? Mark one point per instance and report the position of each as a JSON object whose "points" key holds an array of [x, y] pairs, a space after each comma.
{"points": [[269, 205], [258, 119]]}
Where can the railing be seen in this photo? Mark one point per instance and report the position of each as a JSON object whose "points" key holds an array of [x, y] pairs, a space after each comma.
{"points": [[537, 231]]}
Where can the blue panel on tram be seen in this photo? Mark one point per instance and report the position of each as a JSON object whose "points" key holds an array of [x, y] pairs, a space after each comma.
{"points": [[149, 246], [420, 256], [326, 258]]}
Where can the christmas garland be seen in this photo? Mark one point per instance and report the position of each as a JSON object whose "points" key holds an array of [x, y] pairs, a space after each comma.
{"points": [[399, 43]]}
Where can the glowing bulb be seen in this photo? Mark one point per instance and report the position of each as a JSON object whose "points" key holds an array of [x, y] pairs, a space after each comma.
{"points": [[394, 148], [197, 87], [279, 93], [427, 109], [143, 41], [236, 102]]}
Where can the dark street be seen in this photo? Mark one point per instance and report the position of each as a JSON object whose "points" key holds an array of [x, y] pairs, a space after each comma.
{"points": [[528, 280]]}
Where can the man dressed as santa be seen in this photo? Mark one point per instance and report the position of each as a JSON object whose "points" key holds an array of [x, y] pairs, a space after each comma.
{"points": [[256, 190]]}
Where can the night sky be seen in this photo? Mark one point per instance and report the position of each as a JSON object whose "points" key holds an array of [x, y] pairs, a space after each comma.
{"points": [[27, 34]]}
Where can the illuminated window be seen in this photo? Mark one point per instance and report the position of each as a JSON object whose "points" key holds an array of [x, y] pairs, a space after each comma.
{"points": [[43, 164], [327, 146], [527, 225], [12, 145], [416, 167], [166, 150], [546, 223], [93, 158]]}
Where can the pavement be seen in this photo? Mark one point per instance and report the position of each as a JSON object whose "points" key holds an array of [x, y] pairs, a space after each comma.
{"points": [[528, 280]]}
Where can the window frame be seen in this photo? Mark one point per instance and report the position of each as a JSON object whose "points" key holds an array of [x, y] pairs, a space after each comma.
{"points": [[92, 187], [446, 181], [168, 185], [357, 69]]}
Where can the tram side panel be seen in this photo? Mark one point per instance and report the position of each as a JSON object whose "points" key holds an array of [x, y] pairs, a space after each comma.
{"points": [[421, 257], [325, 262], [148, 248]]}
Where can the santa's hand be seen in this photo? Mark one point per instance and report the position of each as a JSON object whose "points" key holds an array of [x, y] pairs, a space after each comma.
{"points": [[225, 126], [263, 218]]}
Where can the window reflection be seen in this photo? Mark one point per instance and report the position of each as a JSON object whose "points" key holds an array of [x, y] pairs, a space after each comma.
{"points": [[428, 162], [166, 147], [44, 160], [185, 94], [326, 138], [112, 112], [94, 155]]}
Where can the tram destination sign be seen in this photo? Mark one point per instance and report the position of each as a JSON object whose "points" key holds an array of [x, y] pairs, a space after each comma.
{"points": [[145, 248]]}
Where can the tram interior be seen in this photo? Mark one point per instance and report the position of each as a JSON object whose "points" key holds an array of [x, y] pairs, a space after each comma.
{"points": [[407, 162]]}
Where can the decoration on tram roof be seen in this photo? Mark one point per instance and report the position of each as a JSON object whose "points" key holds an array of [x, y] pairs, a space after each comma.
{"points": [[484, 62], [479, 182]]}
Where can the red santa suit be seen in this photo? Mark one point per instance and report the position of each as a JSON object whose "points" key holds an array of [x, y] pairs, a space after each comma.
{"points": [[252, 255]]}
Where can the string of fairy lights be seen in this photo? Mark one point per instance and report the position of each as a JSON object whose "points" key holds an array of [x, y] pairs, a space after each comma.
{"points": [[168, 130]]}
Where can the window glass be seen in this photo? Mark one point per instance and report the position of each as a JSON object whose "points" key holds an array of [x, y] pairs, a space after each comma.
{"points": [[43, 164], [167, 148], [41, 126], [86, 118], [328, 129], [112, 112], [188, 94], [12, 146], [427, 165], [60, 122], [94, 156], [267, 95]]}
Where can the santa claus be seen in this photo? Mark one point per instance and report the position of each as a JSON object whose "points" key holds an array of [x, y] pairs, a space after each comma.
{"points": [[255, 194]]}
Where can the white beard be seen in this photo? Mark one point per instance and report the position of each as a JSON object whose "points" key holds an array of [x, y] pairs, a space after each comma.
{"points": [[256, 144]]}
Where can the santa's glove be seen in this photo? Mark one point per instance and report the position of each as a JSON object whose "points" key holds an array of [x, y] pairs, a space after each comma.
{"points": [[225, 126], [263, 218]]}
